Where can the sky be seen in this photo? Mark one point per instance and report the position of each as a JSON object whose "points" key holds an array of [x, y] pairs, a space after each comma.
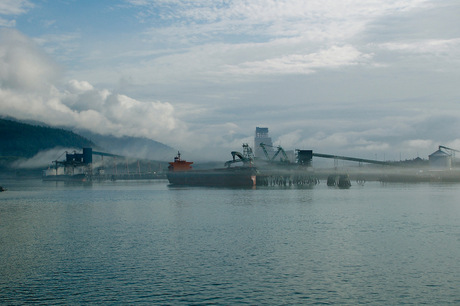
{"points": [[377, 79]]}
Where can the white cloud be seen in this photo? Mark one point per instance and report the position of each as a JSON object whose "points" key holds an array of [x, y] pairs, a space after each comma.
{"points": [[435, 46], [75, 86], [99, 111], [7, 23], [419, 143], [266, 10], [23, 66], [326, 142], [28, 91], [314, 19], [333, 57], [14, 7], [193, 41], [64, 47], [289, 140], [455, 144]]}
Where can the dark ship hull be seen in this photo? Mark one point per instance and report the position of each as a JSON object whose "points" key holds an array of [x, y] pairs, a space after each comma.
{"points": [[225, 177], [66, 178]]}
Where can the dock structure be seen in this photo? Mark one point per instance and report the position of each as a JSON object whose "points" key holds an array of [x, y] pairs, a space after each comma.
{"points": [[358, 160], [79, 167], [287, 180]]}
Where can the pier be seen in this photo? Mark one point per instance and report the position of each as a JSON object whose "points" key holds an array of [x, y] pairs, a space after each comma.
{"points": [[81, 167], [286, 180]]}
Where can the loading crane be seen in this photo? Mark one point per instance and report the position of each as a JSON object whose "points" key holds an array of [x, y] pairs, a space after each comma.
{"points": [[272, 159], [247, 157], [262, 145], [452, 151], [280, 149]]}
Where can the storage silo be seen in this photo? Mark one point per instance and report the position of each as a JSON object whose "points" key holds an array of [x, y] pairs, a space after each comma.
{"points": [[440, 159]]}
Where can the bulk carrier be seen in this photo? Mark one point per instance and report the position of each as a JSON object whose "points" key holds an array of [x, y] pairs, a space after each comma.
{"points": [[181, 173]]}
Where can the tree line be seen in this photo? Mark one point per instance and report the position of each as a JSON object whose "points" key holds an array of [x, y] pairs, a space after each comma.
{"points": [[25, 140]]}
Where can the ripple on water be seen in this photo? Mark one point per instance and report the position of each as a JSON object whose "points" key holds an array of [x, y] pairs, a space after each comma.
{"points": [[147, 243]]}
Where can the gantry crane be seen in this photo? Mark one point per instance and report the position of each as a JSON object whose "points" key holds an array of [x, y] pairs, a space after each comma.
{"points": [[247, 158], [272, 159]]}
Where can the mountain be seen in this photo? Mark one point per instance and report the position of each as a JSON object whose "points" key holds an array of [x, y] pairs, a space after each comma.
{"points": [[26, 140], [139, 147]]}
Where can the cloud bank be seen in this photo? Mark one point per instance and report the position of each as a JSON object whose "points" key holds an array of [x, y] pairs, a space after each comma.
{"points": [[29, 90]]}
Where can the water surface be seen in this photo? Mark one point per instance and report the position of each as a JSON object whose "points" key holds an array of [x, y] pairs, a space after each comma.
{"points": [[145, 242]]}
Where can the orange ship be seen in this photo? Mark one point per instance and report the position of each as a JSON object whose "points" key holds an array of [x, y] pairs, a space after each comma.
{"points": [[181, 173], [180, 165]]}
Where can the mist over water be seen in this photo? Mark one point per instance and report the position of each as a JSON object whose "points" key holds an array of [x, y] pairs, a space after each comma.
{"points": [[44, 158], [147, 242]]}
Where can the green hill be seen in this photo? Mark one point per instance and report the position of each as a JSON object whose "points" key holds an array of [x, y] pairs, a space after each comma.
{"points": [[139, 147], [26, 140]]}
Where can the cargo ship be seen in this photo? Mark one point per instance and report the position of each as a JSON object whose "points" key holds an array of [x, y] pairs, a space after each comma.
{"points": [[181, 173], [81, 177]]}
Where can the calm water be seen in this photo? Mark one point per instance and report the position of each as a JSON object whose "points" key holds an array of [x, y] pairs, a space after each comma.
{"points": [[147, 243]]}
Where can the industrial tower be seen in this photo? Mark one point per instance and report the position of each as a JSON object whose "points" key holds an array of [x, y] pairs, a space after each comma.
{"points": [[262, 137]]}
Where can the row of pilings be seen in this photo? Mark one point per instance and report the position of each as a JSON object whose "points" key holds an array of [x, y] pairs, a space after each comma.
{"points": [[287, 180]]}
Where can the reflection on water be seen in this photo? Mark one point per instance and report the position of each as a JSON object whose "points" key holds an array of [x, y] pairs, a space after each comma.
{"points": [[146, 242]]}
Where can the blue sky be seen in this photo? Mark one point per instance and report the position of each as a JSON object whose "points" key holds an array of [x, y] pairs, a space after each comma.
{"points": [[355, 78]]}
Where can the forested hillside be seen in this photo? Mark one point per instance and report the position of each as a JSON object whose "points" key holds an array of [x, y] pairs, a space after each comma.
{"points": [[139, 147], [26, 140]]}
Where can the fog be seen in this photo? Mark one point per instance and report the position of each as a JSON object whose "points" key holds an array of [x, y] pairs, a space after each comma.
{"points": [[43, 159]]}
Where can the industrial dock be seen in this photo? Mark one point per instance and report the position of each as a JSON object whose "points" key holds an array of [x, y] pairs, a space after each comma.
{"points": [[261, 165]]}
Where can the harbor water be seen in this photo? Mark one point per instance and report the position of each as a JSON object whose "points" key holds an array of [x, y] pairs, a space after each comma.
{"points": [[146, 242]]}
